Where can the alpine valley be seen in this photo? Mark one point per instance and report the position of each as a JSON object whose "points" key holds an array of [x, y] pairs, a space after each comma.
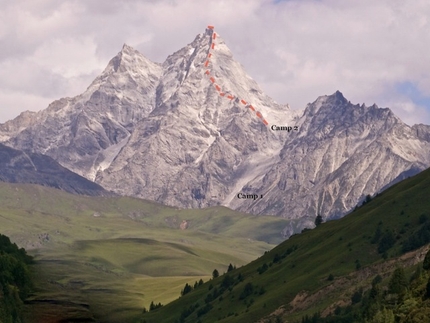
{"points": [[163, 132]]}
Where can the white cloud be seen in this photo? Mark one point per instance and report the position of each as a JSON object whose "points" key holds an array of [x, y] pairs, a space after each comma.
{"points": [[408, 111], [297, 50], [79, 53], [25, 101]]}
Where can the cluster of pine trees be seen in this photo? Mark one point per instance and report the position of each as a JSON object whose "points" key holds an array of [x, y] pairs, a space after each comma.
{"points": [[403, 300], [189, 288], [15, 280]]}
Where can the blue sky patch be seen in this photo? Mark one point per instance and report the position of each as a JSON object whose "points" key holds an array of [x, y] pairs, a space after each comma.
{"points": [[410, 90]]}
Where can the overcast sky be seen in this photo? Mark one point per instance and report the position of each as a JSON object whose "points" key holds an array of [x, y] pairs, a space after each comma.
{"points": [[372, 51]]}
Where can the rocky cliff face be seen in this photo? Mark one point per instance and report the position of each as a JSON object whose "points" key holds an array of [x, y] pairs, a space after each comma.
{"points": [[191, 133], [197, 146], [342, 153], [86, 132]]}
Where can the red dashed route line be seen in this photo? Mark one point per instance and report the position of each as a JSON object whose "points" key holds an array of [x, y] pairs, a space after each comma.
{"points": [[218, 88]]}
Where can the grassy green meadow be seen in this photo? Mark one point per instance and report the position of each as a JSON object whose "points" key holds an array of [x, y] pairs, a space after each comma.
{"points": [[104, 259]]}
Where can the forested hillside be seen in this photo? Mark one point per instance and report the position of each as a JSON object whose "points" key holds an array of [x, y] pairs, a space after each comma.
{"points": [[15, 280], [402, 298]]}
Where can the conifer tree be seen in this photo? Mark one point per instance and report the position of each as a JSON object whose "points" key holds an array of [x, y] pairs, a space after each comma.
{"points": [[398, 283], [426, 263], [186, 290], [428, 289], [318, 220]]}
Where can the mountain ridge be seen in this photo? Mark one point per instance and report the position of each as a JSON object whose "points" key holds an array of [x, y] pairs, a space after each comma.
{"points": [[32, 168], [163, 132]]}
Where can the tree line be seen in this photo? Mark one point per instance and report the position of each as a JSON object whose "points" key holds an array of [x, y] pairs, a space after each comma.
{"points": [[15, 280]]}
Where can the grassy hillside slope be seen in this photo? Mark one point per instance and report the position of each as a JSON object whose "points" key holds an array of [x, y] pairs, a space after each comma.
{"points": [[319, 269], [105, 258]]}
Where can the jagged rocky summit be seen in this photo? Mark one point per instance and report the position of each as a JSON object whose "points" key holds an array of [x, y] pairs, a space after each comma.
{"points": [[163, 132]]}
